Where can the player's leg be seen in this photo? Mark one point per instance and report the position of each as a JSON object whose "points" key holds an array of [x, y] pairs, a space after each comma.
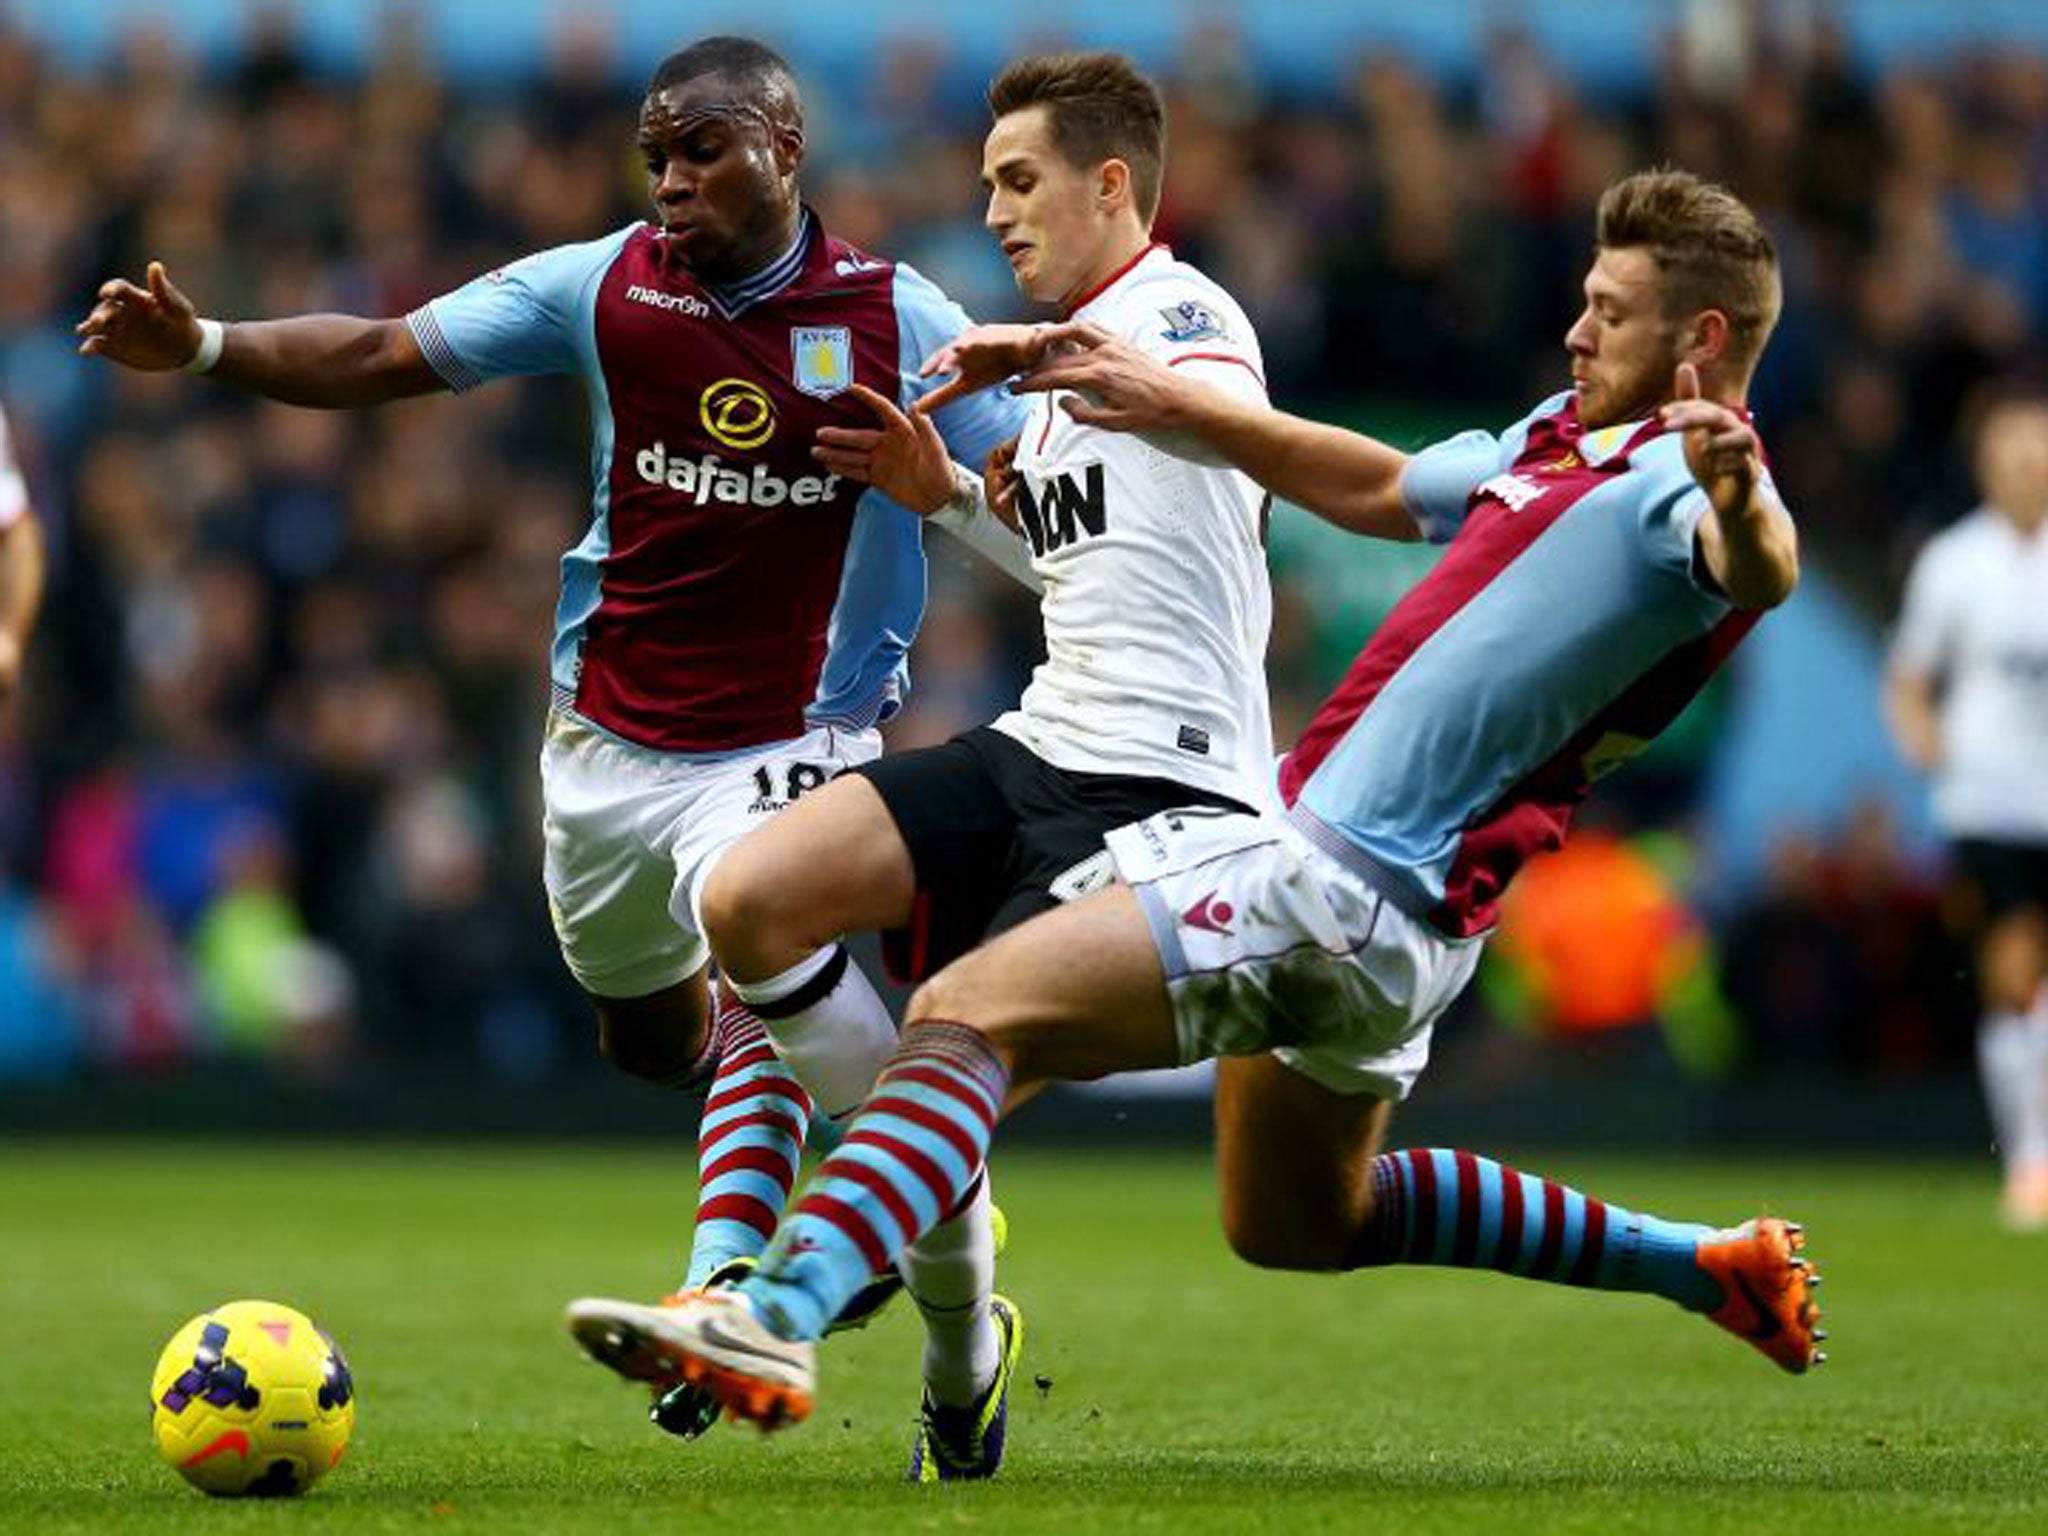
{"points": [[775, 907], [914, 843], [1077, 993], [614, 817], [754, 1120], [1305, 1186], [1293, 1164], [750, 1135], [903, 843], [2012, 1051], [661, 1038], [625, 829]]}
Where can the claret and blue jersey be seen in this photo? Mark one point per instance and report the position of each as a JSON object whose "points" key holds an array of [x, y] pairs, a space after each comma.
{"points": [[1568, 623], [728, 592]]}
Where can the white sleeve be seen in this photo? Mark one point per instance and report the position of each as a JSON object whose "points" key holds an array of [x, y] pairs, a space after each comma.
{"points": [[1200, 332], [1924, 642], [968, 519], [13, 488], [1186, 326]]}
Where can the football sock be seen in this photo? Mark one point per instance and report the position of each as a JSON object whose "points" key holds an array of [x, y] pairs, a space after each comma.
{"points": [[1432, 1206], [2012, 1055], [908, 1160], [950, 1272], [828, 1024], [749, 1143]]}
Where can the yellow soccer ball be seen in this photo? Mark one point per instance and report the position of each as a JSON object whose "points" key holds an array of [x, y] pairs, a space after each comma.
{"points": [[251, 1398]]}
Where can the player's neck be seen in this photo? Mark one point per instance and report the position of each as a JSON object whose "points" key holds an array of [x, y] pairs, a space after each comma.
{"points": [[1117, 256], [2027, 521], [773, 248]]}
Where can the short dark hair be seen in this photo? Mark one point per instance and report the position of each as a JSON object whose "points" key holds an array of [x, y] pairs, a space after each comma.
{"points": [[1709, 248], [1101, 108], [762, 74]]}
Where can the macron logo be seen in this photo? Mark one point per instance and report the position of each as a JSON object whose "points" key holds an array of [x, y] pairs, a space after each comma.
{"points": [[1210, 915], [675, 303]]}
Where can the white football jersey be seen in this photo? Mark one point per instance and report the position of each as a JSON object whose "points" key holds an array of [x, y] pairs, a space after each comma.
{"points": [[1157, 603], [1976, 621], [13, 489]]}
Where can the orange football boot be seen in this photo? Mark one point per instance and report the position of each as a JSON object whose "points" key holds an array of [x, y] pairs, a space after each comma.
{"points": [[1767, 1289]]}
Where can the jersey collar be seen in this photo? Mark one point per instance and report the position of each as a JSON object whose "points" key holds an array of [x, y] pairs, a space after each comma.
{"points": [[770, 280], [1109, 282]]}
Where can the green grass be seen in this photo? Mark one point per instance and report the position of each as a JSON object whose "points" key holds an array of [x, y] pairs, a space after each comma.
{"points": [[1187, 1392]]}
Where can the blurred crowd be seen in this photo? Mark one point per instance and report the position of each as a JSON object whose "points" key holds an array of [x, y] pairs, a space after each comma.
{"points": [[270, 784]]}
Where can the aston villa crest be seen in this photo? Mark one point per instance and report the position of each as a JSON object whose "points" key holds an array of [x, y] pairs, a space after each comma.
{"points": [[822, 356]]}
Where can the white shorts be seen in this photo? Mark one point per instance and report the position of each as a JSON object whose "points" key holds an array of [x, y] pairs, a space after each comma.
{"points": [[632, 833], [1270, 944]]}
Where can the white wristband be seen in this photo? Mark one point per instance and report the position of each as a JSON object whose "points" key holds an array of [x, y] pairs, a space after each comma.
{"points": [[958, 510], [212, 337]]}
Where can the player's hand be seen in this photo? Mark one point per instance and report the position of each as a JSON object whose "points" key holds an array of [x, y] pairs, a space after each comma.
{"points": [[1721, 448], [154, 328], [903, 457], [1113, 384], [979, 357], [999, 484]]}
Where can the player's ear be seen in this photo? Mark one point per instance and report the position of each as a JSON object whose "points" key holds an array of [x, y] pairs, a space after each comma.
{"points": [[1705, 339], [789, 148], [1113, 185]]}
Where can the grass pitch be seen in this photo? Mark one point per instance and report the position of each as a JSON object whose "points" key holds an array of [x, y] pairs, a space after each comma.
{"points": [[1178, 1389]]}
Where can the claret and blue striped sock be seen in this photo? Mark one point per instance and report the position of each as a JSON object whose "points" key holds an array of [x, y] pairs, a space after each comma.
{"points": [[1432, 1206], [912, 1156], [749, 1143]]}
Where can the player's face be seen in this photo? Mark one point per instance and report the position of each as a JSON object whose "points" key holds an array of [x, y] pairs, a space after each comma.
{"points": [[722, 175], [1625, 350], [1042, 209], [2012, 463]]}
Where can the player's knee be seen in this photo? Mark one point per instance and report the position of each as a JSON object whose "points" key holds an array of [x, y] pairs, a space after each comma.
{"points": [[940, 999], [2013, 961], [1259, 1240], [665, 1052], [739, 911], [949, 998]]}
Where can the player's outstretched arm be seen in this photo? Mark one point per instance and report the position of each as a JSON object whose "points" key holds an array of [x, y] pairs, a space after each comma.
{"points": [[1343, 477], [1747, 538], [316, 360]]}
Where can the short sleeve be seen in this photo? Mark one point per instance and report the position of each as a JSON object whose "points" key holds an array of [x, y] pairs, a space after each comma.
{"points": [[1437, 482], [1195, 329], [13, 486], [1670, 505], [1925, 641], [972, 426], [525, 318]]}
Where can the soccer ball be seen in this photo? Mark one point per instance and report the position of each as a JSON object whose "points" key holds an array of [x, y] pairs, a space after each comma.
{"points": [[251, 1398]]}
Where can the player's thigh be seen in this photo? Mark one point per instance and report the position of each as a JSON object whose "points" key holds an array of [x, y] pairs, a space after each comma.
{"points": [[830, 864], [2012, 958], [2005, 885], [1293, 1163], [1076, 993], [605, 810]]}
